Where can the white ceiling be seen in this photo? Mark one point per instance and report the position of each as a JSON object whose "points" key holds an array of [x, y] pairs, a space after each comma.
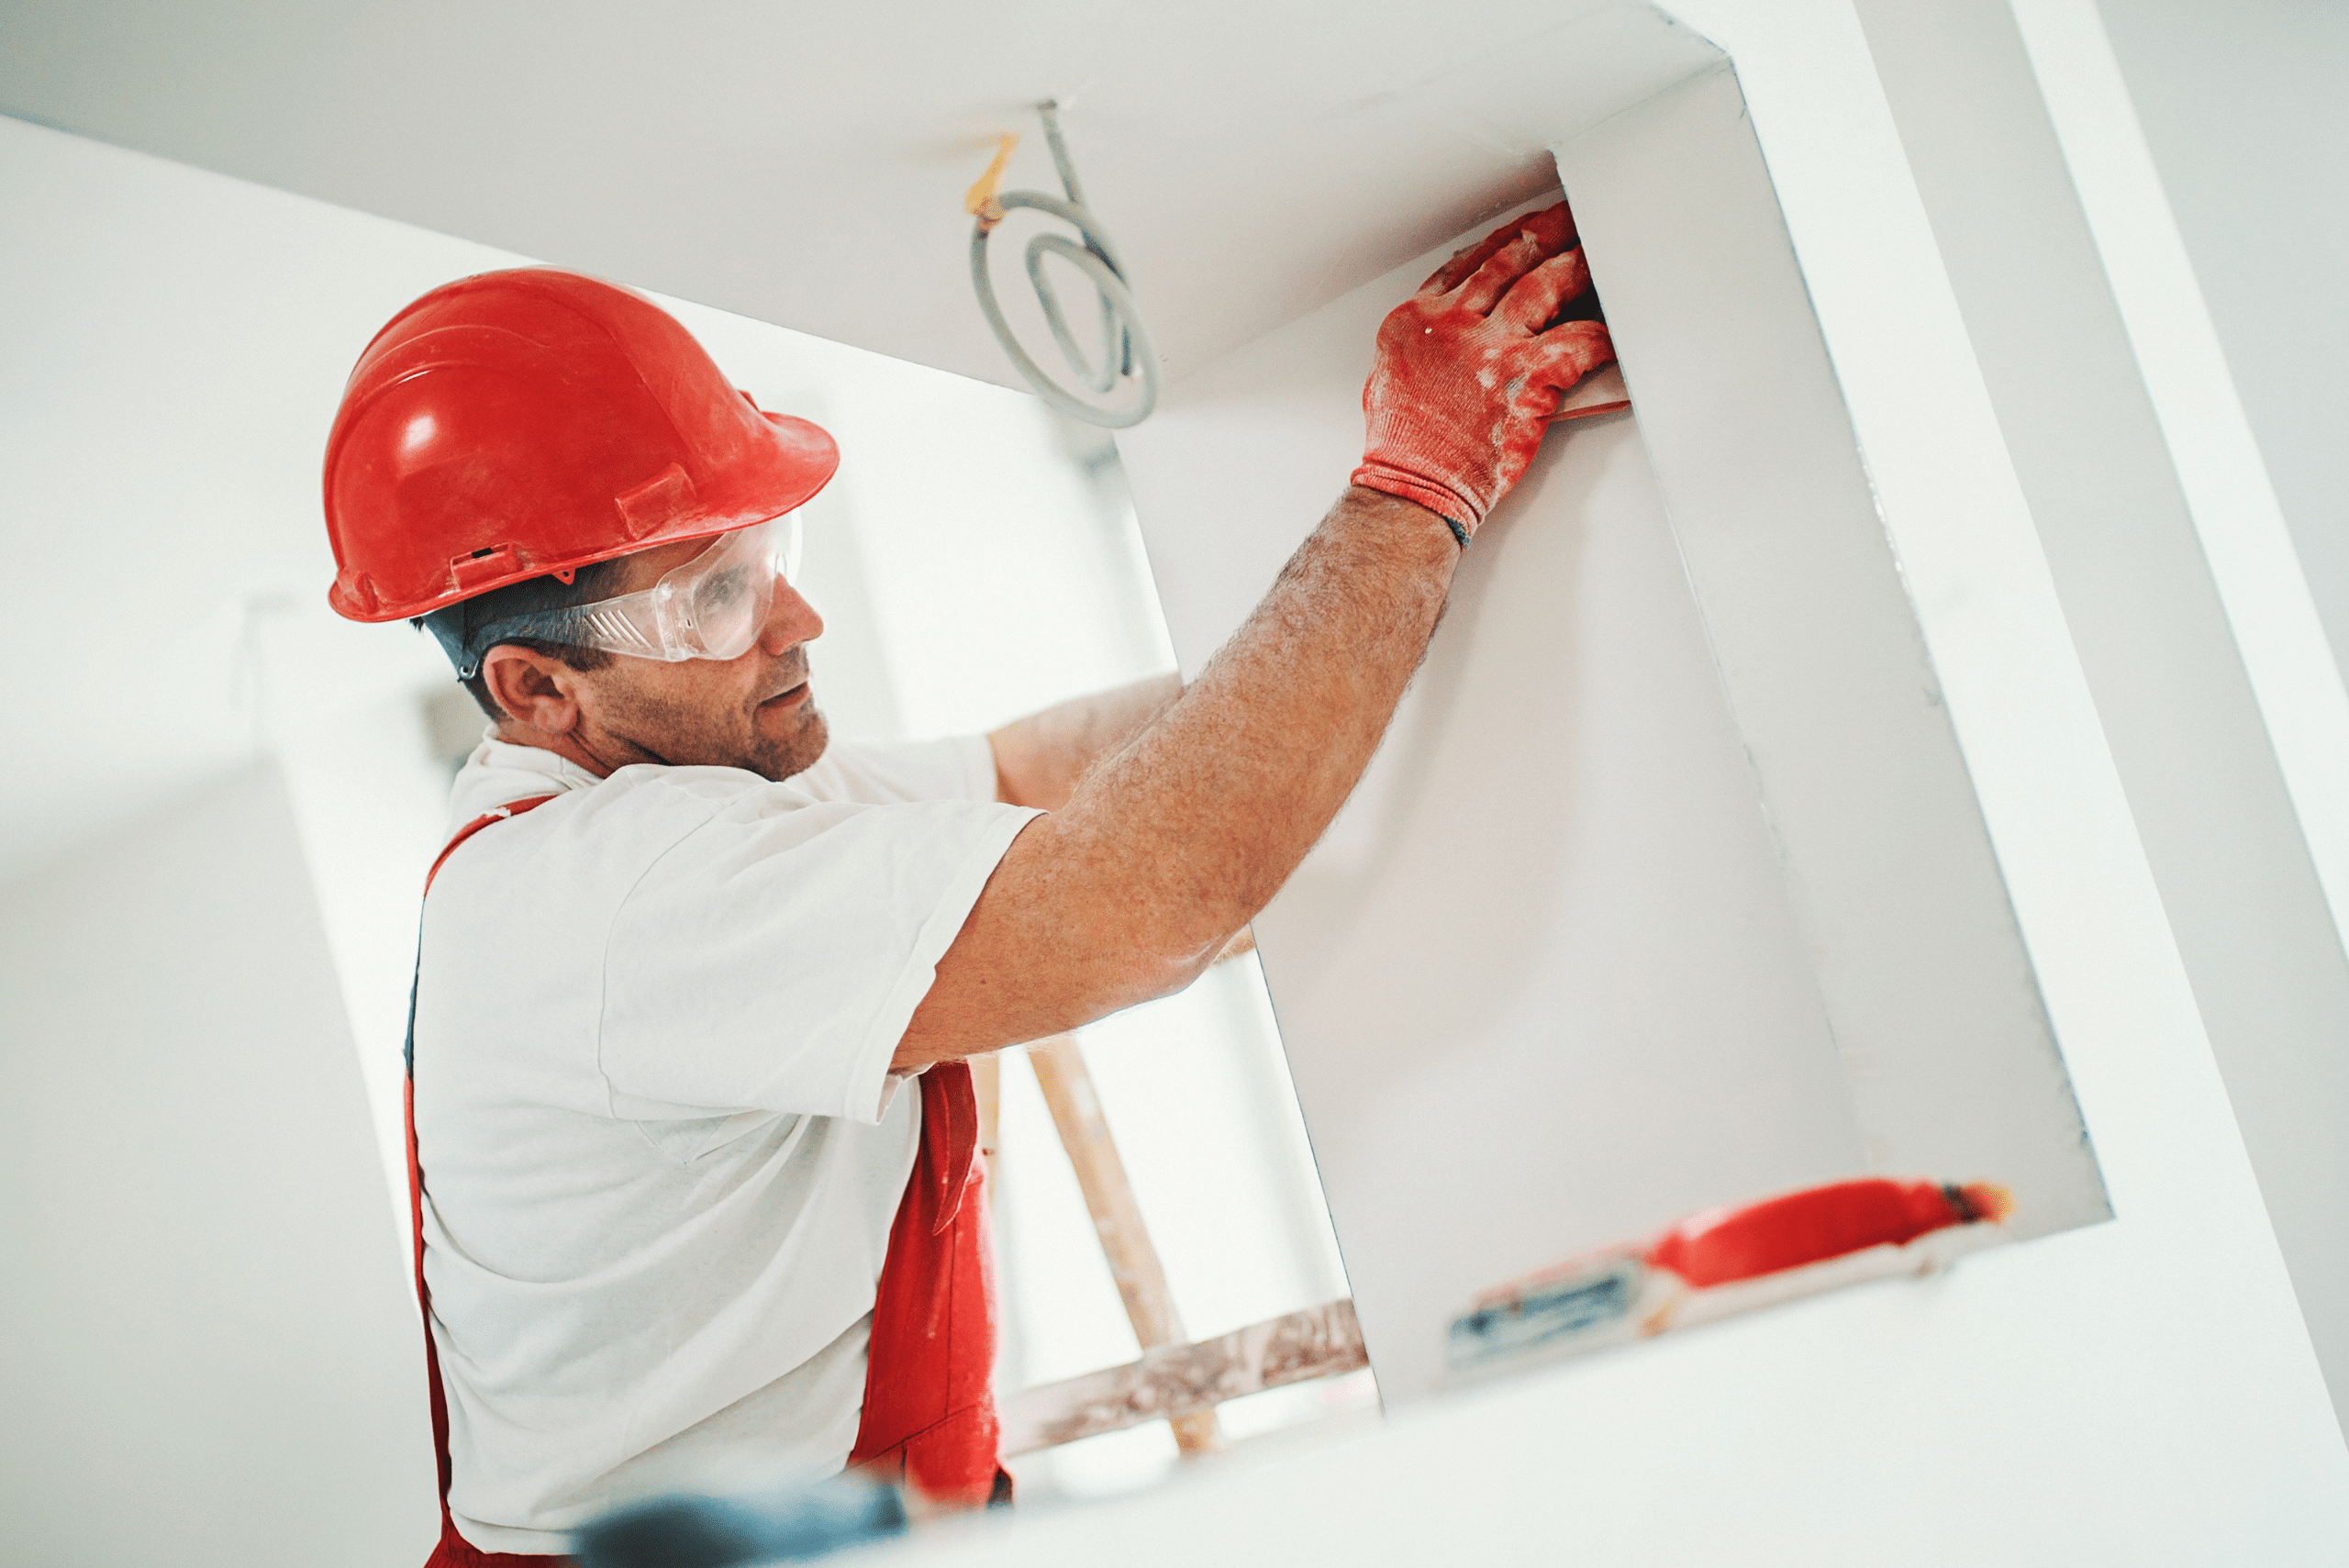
{"points": [[805, 164]]}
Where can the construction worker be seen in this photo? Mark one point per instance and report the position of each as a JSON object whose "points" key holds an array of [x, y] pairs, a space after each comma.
{"points": [[692, 1138]]}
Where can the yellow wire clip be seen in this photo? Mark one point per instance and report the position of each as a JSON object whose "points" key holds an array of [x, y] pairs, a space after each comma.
{"points": [[980, 202]]}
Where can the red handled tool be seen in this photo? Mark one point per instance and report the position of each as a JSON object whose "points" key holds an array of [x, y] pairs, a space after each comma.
{"points": [[1618, 1294]]}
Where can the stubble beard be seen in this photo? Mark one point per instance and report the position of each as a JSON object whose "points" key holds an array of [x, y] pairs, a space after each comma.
{"points": [[780, 760], [682, 737]]}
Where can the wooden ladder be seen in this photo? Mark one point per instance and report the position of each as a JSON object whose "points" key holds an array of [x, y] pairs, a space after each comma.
{"points": [[1176, 1381]]}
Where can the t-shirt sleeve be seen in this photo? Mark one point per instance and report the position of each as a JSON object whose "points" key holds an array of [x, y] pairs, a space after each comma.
{"points": [[887, 773], [771, 958]]}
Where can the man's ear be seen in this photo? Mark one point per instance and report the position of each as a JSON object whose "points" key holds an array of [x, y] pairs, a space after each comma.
{"points": [[537, 690]]}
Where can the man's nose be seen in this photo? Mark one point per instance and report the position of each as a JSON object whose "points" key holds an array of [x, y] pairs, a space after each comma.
{"points": [[791, 620]]}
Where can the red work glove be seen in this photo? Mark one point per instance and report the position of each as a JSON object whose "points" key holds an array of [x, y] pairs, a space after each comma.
{"points": [[1466, 379]]}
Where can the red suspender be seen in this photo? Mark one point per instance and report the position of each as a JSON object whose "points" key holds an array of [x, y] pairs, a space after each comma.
{"points": [[514, 808], [929, 1413]]}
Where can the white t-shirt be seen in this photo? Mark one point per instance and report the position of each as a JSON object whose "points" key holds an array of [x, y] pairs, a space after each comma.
{"points": [[661, 1146]]}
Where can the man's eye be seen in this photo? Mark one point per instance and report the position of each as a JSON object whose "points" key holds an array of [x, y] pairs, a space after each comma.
{"points": [[722, 589]]}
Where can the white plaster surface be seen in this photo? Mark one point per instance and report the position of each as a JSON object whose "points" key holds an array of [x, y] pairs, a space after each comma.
{"points": [[1540, 987], [2278, 621], [1668, 888], [2242, 114], [2162, 660], [1835, 687], [206, 1353]]}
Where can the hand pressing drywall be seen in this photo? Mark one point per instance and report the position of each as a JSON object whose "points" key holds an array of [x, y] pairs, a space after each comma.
{"points": [[1452, 442]]}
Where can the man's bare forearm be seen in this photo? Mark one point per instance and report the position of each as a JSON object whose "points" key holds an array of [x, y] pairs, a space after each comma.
{"points": [[1175, 841], [1212, 807], [1040, 759]]}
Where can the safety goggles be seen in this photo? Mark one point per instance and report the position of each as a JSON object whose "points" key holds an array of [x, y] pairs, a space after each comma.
{"points": [[710, 608]]}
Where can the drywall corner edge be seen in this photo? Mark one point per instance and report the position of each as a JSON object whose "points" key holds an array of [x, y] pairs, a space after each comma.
{"points": [[1887, 858]]}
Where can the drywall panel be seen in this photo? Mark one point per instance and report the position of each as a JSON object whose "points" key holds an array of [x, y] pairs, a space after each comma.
{"points": [[1669, 888], [1539, 985], [1948, 1054], [2242, 113], [208, 1353], [127, 281], [2272, 611], [2176, 705]]}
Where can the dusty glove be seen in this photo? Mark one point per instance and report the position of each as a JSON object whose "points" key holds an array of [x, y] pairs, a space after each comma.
{"points": [[1466, 379]]}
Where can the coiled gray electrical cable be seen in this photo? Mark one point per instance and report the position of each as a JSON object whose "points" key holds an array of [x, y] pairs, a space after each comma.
{"points": [[1125, 342]]}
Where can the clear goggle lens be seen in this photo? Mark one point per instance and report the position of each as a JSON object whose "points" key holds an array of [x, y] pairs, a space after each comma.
{"points": [[710, 608]]}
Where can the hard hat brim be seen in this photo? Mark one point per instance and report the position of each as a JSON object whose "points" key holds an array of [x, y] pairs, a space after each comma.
{"points": [[803, 460]]}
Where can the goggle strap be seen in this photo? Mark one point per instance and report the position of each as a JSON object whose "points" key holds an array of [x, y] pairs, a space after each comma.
{"points": [[447, 626], [560, 626]]}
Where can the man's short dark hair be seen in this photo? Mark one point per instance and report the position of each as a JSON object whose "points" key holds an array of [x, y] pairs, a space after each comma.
{"points": [[530, 596]]}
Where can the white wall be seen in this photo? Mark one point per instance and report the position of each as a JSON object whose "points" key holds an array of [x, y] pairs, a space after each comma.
{"points": [[2177, 706], [1540, 985], [2240, 102], [175, 343], [1667, 889], [206, 1353]]}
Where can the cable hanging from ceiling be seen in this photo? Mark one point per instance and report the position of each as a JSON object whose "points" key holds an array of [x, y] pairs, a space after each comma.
{"points": [[1126, 354]]}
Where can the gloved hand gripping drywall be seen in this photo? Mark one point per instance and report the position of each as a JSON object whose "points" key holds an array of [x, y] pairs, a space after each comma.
{"points": [[1466, 378]]}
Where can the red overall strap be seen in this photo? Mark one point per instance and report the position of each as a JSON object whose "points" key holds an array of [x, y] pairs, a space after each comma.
{"points": [[929, 1413], [453, 1550]]}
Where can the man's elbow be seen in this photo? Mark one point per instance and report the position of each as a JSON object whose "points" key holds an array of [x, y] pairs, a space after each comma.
{"points": [[1163, 963], [1019, 777]]}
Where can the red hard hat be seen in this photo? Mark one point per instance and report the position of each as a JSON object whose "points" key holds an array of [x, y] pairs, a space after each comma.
{"points": [[515, 424]]}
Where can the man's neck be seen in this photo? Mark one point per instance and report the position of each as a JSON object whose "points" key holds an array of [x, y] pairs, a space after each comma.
{"points": [[562, 746]]}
